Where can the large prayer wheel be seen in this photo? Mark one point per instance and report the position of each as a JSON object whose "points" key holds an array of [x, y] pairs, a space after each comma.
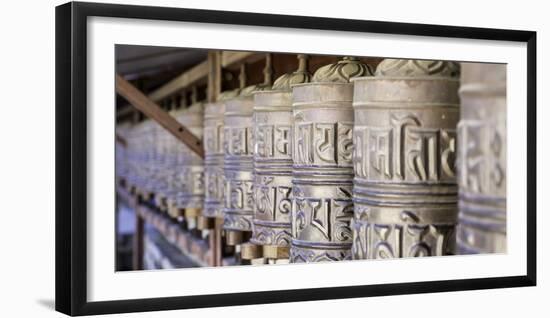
{"points": [[272, 167], [148, 159], [322, 171], [482, 159], [238, 208], [166, 148], [133, 159], [192, 166], [273, 124], [172, 164], [405, 191], [213, 159], [122, 152], [158, 145]]}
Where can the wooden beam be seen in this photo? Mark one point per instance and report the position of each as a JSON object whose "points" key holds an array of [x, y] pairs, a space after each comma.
{"points": [[227, 59], [200, 72], [193, 75], [233, 59], [153, 111]]}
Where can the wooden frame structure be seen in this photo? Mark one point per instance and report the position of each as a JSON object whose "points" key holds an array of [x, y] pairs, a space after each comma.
{"points": [[210, 70]]}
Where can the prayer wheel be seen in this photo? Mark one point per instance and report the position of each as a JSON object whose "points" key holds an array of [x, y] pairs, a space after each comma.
{"points": [[482, 159], [405, 191], [273, 123], [213, 159], [322, 174], [166, 164], [133, 158], [191, 165], [214, 197], [122, 152], [172, 187], [147, 180], [238, 199], [157, 180]]}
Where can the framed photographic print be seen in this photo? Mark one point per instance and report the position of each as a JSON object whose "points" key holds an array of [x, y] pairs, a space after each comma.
{"points": [[208, 158]]}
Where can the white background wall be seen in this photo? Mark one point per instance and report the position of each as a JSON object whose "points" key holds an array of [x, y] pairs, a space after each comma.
{"points": [[27, 158]]}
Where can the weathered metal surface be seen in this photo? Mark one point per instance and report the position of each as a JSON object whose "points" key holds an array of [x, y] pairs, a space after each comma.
{"points": [[482, 159], [272, 167], [273, 123], [238, 198], [190, 167], [167, 197], [122, 151], [214, 114], [322, 171], [405, 191], [132, 156], [166, 146], [143, 156], [213, 159]]}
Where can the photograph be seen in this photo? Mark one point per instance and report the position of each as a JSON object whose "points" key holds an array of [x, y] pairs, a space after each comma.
{"points": [[276, 159], [228, 158], [211, 158]]}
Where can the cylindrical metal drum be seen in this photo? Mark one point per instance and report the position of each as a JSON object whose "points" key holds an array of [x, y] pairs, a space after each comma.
{"points": [[138, 145], [191, 165], [165, 166], [482, 159], [322, 170], [172, 151], [158, 163], [273, 124], [272, 167], [405, 191], [147, 182], [213, 159], [122, 152], [238, 201], [133, 158]]}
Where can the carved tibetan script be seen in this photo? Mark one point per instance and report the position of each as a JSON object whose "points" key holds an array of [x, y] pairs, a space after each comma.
{"points": [[482, 167], [404, 150], [273, 140], [328, 143]]}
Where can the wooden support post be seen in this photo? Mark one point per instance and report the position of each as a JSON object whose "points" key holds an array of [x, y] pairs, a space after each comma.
{"points": [[138, 243], [214, 76], [212, 243], [216, 241], [149, 108]]}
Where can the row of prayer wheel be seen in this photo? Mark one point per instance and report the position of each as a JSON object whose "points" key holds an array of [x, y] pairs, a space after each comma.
{"points": [[404, 160]]}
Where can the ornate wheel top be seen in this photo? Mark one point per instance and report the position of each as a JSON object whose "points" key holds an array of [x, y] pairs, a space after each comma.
{"points": [[301, 75], [417, 68], [342, 71]]}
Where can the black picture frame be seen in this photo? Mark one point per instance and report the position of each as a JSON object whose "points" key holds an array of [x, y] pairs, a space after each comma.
{"points": [[71, 157]]}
